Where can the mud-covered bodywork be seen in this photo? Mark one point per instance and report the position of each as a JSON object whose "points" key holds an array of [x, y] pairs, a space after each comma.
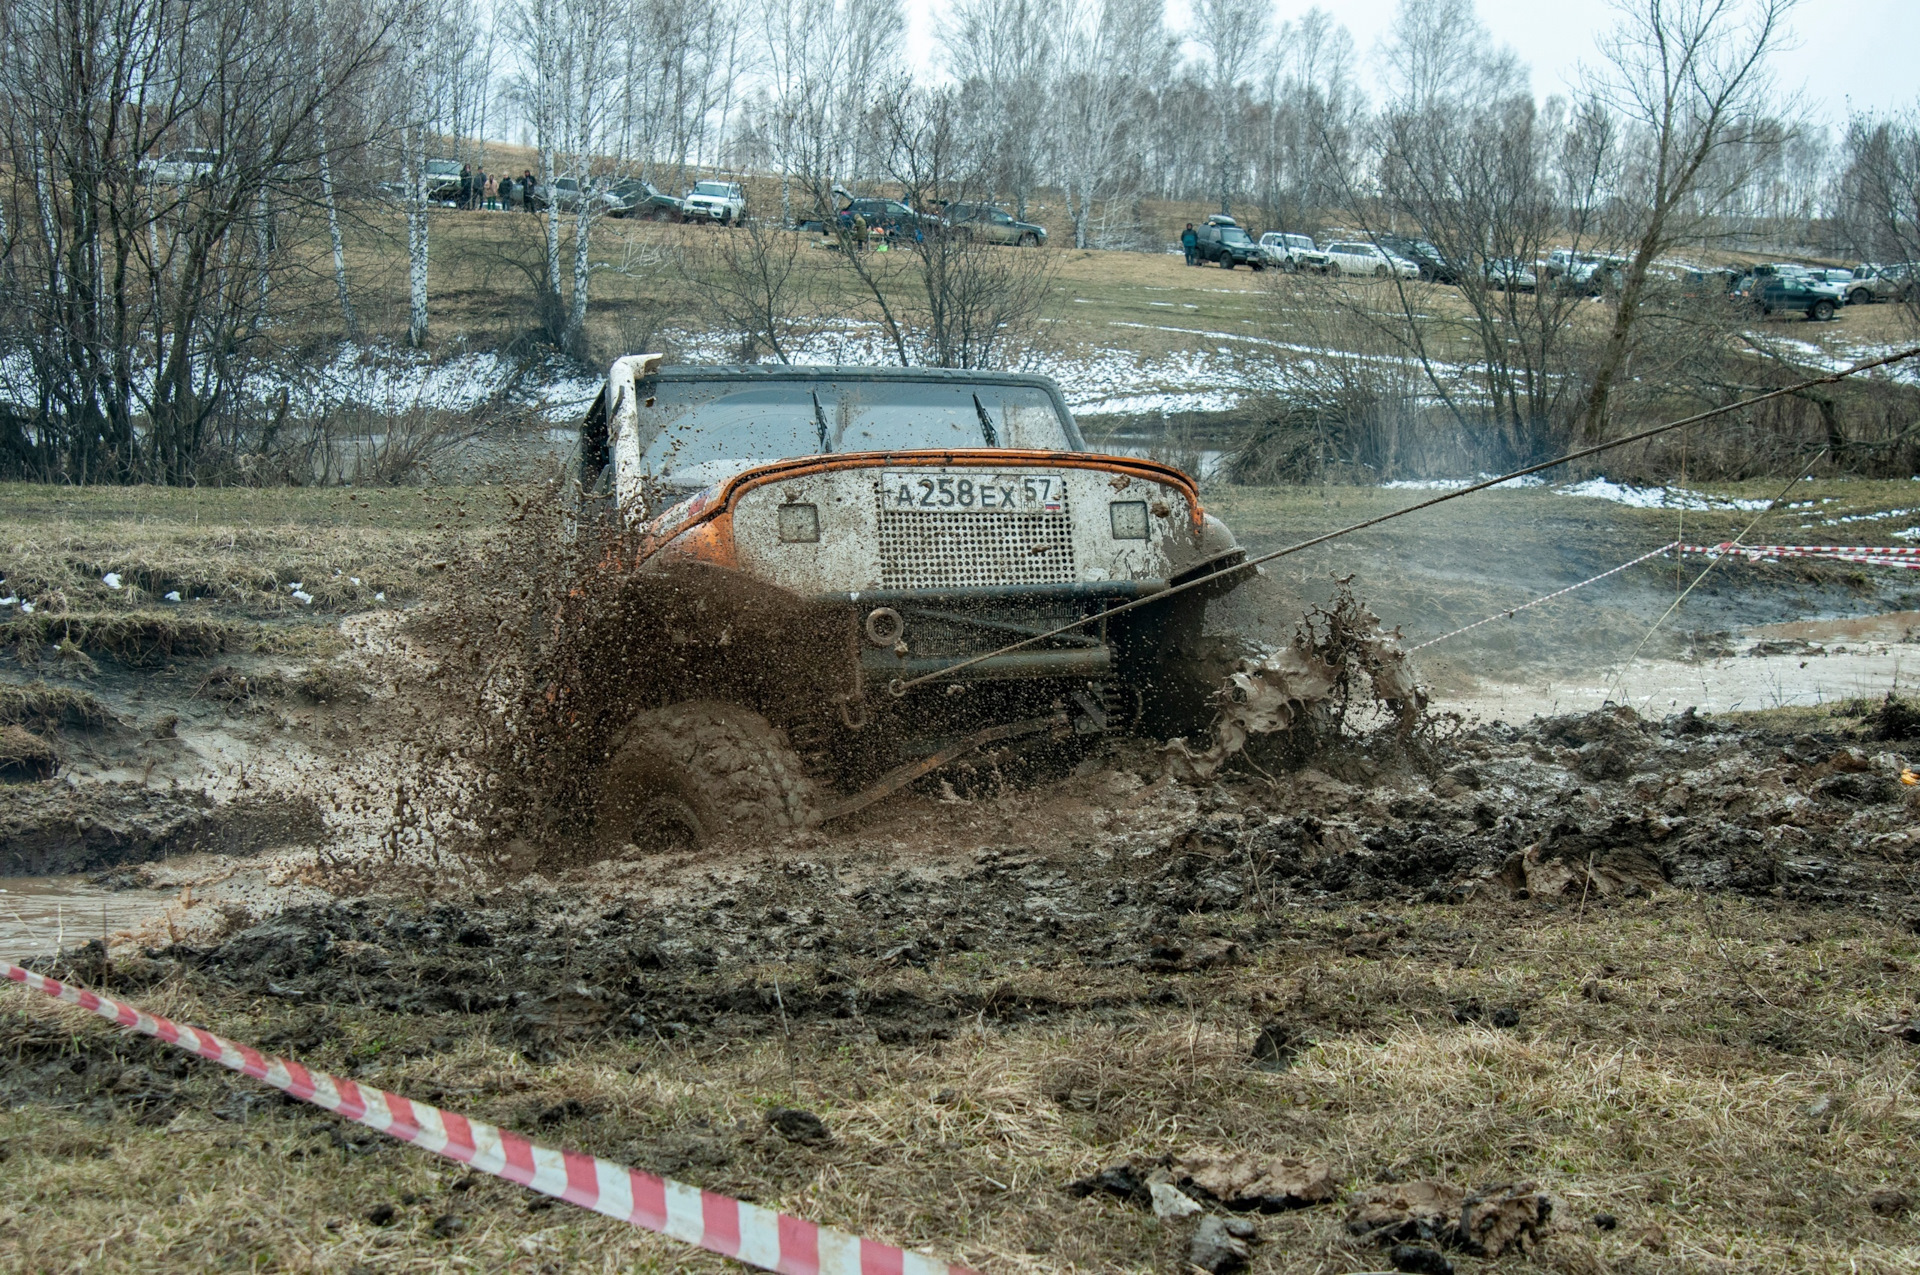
{"points": [[815, 536]]}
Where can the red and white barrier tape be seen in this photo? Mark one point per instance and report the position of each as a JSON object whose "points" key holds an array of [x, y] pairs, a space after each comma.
{"points": [[1870, 555], [718, 1223]]}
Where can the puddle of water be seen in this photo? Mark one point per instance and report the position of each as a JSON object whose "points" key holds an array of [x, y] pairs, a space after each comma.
{"points": [[41, 915], [1658, 687]]}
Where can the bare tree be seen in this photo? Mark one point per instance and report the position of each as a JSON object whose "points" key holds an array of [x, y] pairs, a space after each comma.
{"points": [[1001, 52], [151, 145], [1112, 53], [1232, 32], [972, 303], [1689, 80], [1879, 189], [760, 285]]}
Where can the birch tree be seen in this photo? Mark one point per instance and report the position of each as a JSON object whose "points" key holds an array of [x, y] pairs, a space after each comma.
{"points": [[1232, 32], [1690, 81]]}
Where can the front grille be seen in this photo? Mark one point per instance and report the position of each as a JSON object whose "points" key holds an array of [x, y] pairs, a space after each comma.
{"points": [[922, 549]]}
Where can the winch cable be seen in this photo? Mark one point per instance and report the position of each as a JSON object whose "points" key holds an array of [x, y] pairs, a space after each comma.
{"points": [[1617, 682], [1510, 612], [899, 687]]}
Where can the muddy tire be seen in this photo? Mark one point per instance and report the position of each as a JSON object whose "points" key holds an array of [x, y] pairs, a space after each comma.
{"points": [[688, 773]]}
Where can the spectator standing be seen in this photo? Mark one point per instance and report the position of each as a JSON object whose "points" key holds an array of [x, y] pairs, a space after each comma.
{"points": [[526, 189], [480, 189], [466, 188], [1190, 242], [859, 231], [509, 193]]}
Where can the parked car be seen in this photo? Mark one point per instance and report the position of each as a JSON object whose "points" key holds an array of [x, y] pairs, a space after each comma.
{"points": [[440, 177], [722, 202], [994, 225], [1795, 294], [179, 168], [1292, 252], [1223, 240], [887, 216], [1433, 265], [1509, 274], [564, 193], [631, 197], [1583, 273], [1872, 281], [1368, 260]]}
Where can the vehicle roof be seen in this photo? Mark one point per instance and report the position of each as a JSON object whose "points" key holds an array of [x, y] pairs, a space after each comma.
{"points": [[843, 372]]}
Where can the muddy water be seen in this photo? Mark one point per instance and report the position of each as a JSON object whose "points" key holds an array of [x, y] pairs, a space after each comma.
{"points": [[1795, 679], [40, 915]]}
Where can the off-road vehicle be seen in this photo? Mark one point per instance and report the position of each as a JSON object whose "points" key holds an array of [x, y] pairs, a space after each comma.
{"points": [[1221, 239], [803, 545]]}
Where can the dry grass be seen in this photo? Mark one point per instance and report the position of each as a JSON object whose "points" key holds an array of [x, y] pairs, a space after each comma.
{"points": [[1670, 1067], [650, 275], [232, 551]]}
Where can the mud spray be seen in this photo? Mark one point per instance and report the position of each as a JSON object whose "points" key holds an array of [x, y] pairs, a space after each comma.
{"points": [[511, 696]]}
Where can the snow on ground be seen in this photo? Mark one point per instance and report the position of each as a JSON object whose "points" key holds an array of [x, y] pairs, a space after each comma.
{"points": [[1655, 497]]}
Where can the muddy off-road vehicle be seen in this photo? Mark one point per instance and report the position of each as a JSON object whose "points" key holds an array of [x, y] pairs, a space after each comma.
{"points": [[798, 546]]}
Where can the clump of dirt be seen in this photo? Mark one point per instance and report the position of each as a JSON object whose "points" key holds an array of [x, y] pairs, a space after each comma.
{"points": [[141, 640], [1896, 719], [41, 707], [24, 755]]}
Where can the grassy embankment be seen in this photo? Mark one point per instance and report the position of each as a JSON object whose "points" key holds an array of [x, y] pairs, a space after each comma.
{"points": [[649, 277]]}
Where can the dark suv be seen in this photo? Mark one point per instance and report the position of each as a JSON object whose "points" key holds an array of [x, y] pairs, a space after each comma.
{"points": [[1787, 292], [1433, 267], [1222, 240], [888, 215]]}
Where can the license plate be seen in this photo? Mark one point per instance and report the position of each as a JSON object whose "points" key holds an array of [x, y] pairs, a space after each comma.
{"points": [[921, 489]]}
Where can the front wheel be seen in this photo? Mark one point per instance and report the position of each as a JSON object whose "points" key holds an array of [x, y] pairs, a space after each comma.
{"points": [[1821, 312], [688, 773], [1029, 240], [1859, 296], [1226, 263]]}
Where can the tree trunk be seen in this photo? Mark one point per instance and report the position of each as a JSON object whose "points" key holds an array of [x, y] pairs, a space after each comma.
{"points": [[413, 171], [573, 339], [553, 220]]}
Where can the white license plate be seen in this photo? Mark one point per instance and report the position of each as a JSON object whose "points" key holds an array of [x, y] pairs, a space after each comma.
{"points": [[972, 492]]}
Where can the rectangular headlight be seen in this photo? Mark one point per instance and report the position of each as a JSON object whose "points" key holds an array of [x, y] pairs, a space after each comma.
{"points": [[800, 524], [1129, 519]]}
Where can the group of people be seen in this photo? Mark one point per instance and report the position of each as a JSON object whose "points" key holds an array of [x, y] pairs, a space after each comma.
{"points": [[480, 190]]}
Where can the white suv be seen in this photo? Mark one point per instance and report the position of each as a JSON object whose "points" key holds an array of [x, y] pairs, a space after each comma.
{"points": [[1292, 252], [723, 202], [1367, 260]]}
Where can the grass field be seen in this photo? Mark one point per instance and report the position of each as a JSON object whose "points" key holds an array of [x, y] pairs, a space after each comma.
{"points": [[648, 280], [1707, 1073]]}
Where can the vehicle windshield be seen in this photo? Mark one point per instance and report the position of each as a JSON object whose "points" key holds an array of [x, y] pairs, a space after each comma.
{"points": [[1233, 234], [703, 432], [442, 168], [712, 188]]}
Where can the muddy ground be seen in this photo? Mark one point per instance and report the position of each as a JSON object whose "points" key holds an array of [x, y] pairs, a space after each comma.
{"points": [[1658, 966]]}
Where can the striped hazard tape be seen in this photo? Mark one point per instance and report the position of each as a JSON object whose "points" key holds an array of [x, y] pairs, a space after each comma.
{"points": [[1870, 555], [718, 1223]]}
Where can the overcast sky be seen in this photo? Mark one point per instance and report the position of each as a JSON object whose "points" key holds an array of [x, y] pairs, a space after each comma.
{"points": [[1848, 54]]}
